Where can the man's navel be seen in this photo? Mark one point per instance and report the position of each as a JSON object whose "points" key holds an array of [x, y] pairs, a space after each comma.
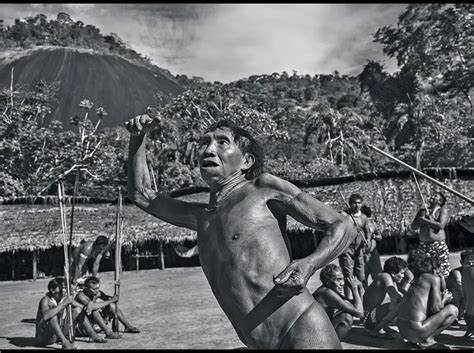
{"points": [[236, 236]]}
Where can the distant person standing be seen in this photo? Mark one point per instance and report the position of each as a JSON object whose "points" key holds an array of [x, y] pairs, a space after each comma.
{"points": [[431, 225], [372, 256], [352, 260], [454, 283]]}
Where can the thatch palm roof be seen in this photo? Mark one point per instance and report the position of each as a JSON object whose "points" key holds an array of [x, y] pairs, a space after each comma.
{"points": [[394, 203]]}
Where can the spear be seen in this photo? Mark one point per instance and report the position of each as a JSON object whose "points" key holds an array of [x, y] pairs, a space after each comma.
{"points": [[66, 258], [118, 260], [423, 175]]}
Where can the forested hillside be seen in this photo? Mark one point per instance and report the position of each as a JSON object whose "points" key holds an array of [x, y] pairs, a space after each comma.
{"points": [[311, 125]]}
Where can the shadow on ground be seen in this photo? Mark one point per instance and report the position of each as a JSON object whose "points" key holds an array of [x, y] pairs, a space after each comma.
{"points": [[29, 321], [459, 342], [22, 341]]}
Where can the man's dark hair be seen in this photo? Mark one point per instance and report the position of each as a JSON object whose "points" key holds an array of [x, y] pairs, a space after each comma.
{"points": [[55, 283], [442, 197], [246, 143], [420, 262], [366, 210], [354, 197], [328, 272], [101, 240], [466, 253], [91, 280], [394, 265]]}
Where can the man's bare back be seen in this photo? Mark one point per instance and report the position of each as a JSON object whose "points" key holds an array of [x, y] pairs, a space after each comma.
{"points": [[243, 244]]}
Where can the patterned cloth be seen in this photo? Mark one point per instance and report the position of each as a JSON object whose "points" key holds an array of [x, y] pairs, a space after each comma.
{"points": [[439, 249]]}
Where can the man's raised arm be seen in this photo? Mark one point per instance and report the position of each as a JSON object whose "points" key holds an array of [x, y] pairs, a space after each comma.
{"points": [[139, 184], [339, 231]]}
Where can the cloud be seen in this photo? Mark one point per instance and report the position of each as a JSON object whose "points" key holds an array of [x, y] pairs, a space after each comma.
{"points": [[226, 42]]}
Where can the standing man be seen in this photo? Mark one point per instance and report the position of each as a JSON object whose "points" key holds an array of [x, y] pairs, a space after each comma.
{"points": [[468, 289], [86, 253], [431, 225], [352, 260], [242, 240]]}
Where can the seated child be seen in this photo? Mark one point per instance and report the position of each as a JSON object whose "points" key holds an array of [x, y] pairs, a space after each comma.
{"points": [[331, 297]]}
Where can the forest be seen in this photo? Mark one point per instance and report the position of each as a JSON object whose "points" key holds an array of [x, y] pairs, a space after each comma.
{"points": [[312, 125]]}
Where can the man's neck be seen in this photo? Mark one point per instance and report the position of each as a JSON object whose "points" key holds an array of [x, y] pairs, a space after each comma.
{"points": [[223, 188]]}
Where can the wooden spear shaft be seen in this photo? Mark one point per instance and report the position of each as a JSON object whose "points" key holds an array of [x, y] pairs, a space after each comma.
{"points": [[423, 175], [118, 260], [66, 259]]}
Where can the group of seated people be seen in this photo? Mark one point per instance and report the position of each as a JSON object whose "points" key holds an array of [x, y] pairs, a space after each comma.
{"points": [[92, 310], [410, 294]]}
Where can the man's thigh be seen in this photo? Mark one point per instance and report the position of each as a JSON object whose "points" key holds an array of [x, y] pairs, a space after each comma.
{"points": [[312, 330]]}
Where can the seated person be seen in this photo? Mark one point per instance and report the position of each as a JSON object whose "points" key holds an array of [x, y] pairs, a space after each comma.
{"points": [[425, 310], [331, 297], [51, 323], [454, 284], [379, 312], [101, 312], [468, 287]]}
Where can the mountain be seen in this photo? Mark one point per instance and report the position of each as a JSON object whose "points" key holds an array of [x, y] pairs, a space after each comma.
{"points": [[121, 87]]}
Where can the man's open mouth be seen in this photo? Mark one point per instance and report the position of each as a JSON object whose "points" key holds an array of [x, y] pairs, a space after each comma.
{"points": [[208, 163]]}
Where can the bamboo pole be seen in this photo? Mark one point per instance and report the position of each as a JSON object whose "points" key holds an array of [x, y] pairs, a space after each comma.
{"points": [[35, 263], [423, 175], [118, 261], [162, 258], [76, 186], [66, 259]]}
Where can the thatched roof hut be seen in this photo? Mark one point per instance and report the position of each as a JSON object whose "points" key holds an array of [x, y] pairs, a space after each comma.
{"points": [[394, 201]]}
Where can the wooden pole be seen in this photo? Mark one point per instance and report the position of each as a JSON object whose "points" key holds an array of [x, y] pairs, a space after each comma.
{"points": [[118, 261], [66, 260], [35, 263], [421, 194], [137, 260], [162, 258], [423, 175], [76, 186]]}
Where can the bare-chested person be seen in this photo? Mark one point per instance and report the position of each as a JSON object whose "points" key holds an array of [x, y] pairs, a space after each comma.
{"points": [[379, 311], [84, 254], [330, 295], [431, 225], [468, 290], [241, 235], [352, 261], [424, 310]]}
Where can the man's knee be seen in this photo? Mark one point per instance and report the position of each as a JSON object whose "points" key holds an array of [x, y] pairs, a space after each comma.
{"points": [[452, 310], [344, 319]]}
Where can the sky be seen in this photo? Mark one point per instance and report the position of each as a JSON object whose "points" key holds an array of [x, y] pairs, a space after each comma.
{"points": [[227, 42]]}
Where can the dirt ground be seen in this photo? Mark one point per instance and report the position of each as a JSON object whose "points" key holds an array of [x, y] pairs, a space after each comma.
{"points": [[174, 309]]}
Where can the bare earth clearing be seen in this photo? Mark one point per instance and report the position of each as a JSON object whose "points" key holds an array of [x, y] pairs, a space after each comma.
{"points": [[174, 309]]}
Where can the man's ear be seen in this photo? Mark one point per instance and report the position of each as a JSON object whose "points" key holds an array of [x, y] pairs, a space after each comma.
{"points": [[248, 161]]}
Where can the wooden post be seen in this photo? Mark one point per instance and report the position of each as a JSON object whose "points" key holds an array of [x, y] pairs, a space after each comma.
{"points": [[162, 256], [137, 260], [315, 239], [35, 262]]}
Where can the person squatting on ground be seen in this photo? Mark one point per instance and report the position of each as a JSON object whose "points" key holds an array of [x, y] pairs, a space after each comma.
{"points": [[86, 259], [51, 323], [425, 310], [454, 284], [468, 290], [379, 312], [100, 311], [352, 261], [431, 225], [241, 234], [330, 295], [371, 254]]}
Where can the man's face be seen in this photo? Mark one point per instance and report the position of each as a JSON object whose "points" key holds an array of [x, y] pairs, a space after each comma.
{"points": [[218, 155], [436, 199], [58, 293], [397, 277], [97, 249], [336, 282], [92, 289], [355, 205]]}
